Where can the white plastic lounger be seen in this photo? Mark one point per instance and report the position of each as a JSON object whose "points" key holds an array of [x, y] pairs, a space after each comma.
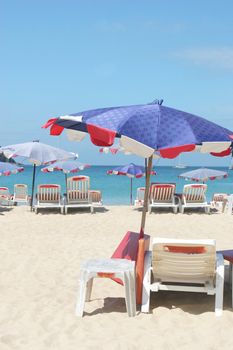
{"points": [[5, 196], [20, 193], [139, 201], [163, 196], [183, 265], [78, 193], [219, 201], [194, 197], [96, 198], [48, 197]]}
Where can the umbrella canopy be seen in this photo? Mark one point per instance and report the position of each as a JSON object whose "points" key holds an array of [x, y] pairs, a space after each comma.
{"points": [[203, 175], [131, 170], [145, 129], [36, 153], [66, 166], [9, 168]]}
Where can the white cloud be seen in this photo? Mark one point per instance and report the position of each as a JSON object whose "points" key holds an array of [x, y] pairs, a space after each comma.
{"points": [[215, 57]]}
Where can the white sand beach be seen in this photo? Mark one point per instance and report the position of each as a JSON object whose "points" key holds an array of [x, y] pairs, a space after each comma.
{"points": [[40, 260]]}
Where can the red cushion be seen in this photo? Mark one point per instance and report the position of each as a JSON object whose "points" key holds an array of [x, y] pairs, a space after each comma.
{"points": [[185, 250]]}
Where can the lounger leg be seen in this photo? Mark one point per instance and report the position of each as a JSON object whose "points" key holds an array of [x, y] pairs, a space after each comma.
{"points": [[132, 290], [219, 285], [82, 295], [146, 283], [92, 209], [175, 210], [89, 289], [127, 293]]}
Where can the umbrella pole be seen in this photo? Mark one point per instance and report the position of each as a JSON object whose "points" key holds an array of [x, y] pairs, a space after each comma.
{"points": [[146, 178], [146, 197], [142, 242], [33, 184], [66, 182], [131, 188]]}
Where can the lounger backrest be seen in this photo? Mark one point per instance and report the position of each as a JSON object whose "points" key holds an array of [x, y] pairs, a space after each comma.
{"points": [[195, 193], [140, 193], [20, 191], [162, 192], [95, 196], [4, 191], [78, 189], [49, 193], [219, 197], [184, 261]]}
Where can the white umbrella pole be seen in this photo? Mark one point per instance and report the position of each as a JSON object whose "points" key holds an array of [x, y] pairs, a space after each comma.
{"points": [[146, 196], [33, 184]]}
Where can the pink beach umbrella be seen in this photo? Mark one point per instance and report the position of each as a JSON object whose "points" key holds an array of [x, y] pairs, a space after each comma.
{"points": [[203, 175], [35, 153], [7, 169]]}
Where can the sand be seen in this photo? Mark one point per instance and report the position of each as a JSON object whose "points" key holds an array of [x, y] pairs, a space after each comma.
{"points": [[40, 260]]}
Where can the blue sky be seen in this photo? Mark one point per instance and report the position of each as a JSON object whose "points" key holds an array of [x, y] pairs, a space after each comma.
{"points": [[60, 57]]}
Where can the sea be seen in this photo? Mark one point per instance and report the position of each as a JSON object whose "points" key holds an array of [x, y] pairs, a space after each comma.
{"points": [[116, 188]]}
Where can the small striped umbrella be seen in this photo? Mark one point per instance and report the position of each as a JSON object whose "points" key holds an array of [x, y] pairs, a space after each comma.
{"points": [[131, 170], [66, 166], [7, 169], [203, 175]]}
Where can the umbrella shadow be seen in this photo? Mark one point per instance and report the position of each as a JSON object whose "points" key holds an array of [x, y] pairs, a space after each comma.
{"points": [[5, 209]]}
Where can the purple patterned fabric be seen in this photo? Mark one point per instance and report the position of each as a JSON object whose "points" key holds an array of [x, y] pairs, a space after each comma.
{"points": [[154, 125], [130, 170]]}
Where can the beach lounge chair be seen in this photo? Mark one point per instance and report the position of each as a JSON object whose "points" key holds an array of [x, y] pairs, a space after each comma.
{"points": [[20, 193], [96, 198], [78, 193], [163, 196], [219, 201], [139, 201], [49, 196], [194, 197], [5, 196], [183, 265]]}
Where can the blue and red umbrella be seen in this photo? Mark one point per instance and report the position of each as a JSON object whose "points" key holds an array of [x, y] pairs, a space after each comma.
{"points": [[132, 171], [146, 130]]}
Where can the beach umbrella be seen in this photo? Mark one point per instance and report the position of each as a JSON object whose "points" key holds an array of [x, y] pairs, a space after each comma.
{"points": [[36, 153], [203, 175], [146, 130], [132, 171], [7, 169], [66, 166]]}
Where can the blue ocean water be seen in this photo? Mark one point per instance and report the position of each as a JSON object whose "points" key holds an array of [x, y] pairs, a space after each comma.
{"points": [[116, 189]]}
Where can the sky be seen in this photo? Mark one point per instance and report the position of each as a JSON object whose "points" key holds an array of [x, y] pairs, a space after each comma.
{"points": [[61, 57]]}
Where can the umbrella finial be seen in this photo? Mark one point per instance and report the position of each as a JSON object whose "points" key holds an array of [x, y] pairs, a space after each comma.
{"points": [[157, 102]]}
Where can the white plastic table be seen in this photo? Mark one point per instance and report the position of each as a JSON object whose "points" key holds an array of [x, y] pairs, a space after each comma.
{"points": [[109, 268]]}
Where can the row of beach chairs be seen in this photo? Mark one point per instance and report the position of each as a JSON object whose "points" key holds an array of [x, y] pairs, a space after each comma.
{"points": [[192, 196], [48, 196], [78, 195]]}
